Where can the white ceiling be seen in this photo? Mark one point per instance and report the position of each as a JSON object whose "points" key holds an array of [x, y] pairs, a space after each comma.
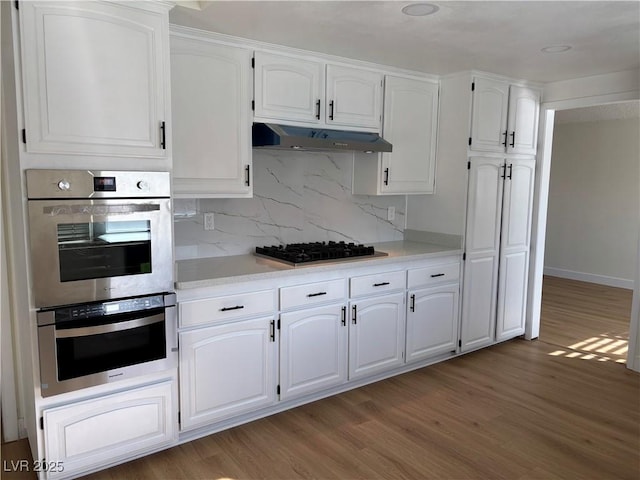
{"points": [[498, 37]]}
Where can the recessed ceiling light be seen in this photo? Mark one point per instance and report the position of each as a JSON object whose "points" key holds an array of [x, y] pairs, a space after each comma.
{"points": [[420, 9], [556, 48]]}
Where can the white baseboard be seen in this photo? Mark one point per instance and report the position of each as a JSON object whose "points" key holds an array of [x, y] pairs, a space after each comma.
{"points": [[589, 277]]}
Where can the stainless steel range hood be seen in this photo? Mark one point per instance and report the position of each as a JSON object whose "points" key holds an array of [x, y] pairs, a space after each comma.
{"points": [[285, 137]]}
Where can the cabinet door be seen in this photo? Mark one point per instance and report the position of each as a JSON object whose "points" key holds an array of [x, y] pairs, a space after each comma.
{"points": [[86, 435], [514, 249], [94, 78], [313, 350], [489, 115], [354, 97], [288, 88], [226, 370], [376, 335], [432, 322], [524, 108], [211, 111], [410, 125], [482, 246]]}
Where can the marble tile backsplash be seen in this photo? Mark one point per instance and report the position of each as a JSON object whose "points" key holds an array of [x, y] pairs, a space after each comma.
{"points": [[297, 197]]}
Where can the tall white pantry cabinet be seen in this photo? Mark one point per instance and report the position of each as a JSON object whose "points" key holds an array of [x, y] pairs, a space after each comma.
{"points": [[487, 138]]}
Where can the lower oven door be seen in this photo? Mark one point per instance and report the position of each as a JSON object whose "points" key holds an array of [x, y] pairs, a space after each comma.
{"points": [[88, 250], [83, 353]]}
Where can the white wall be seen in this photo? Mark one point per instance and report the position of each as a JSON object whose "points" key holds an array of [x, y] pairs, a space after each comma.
{"points": [[580, 92], [592, 222]]}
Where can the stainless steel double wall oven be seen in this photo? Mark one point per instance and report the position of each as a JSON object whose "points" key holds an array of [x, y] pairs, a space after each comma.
{"points": [[102, 270]]}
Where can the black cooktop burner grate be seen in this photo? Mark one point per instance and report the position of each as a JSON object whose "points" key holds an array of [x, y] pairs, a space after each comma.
{"points": [[297, 253]]}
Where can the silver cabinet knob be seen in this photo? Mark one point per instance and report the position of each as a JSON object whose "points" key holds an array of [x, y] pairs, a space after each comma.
{"points": [[64, 185], [142, 185]]}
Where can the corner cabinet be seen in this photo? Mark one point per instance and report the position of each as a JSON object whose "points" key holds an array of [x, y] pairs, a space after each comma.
{"points": [[211, 112], [307, 91], [95, 78], [82, 436], [410, 121], [504, 118]]}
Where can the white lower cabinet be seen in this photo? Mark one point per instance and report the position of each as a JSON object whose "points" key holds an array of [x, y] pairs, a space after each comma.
{"points": [[376, 334], [227, 370], [310, 335], [432, 321], [84, 435], [313, 350]]}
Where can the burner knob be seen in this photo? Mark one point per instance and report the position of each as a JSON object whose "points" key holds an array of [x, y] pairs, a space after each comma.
{"points": [[64, 185]]}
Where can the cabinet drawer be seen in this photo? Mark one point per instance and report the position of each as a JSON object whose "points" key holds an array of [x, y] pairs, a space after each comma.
{"points": [[378, 283], [434, 275], [312, 294], [220, 309]]}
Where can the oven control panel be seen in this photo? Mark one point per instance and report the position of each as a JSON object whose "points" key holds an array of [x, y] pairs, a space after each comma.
{"points": [[93, 310], [45, 184]]}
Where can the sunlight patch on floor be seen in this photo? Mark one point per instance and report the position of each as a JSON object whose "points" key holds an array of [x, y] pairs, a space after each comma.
{"points": [[603, 348]]}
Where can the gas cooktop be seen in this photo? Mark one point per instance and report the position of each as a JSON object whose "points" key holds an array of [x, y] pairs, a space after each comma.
{"points": [[317, 252]]}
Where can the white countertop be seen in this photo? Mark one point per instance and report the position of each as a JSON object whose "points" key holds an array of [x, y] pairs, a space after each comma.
{"points": [[207, 272]]}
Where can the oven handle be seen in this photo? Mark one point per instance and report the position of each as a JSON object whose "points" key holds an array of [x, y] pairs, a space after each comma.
{"points": [[100, 209], [110, 327]]}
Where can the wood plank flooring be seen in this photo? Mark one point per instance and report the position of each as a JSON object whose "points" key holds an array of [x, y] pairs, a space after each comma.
{"points": [[518, 410], [586, 319]]}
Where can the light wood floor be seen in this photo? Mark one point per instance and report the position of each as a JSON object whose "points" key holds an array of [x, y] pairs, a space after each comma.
{"points": [[518, 410]]}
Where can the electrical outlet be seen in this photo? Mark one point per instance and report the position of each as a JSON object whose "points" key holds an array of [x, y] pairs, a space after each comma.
{"points": [[208, 221], [391, 213]]}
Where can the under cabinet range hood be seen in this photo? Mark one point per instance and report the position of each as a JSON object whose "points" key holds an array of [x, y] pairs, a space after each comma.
{"points": [[286, 137]]}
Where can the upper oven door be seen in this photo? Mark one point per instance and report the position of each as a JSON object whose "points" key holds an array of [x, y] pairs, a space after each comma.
{"points": [[87, 250]]}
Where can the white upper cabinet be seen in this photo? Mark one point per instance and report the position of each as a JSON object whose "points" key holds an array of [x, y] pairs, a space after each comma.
{"points": [[410, 124], [211, 112], [354, 97], [504, 117], [299, 91], [95, 78], [288, 88], [489, 115], [524, 107]]}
